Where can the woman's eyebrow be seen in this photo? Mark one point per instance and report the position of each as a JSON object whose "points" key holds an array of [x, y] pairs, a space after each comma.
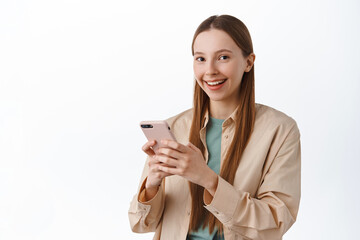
{"points": [[218, 51]]}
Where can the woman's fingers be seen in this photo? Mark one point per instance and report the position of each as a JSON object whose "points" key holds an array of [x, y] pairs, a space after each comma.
{"points": [[173, 153], [174, 145], [175, 159], [176, 150], [193, 147], [147, 148], [157, 162], [167, 161], [171, 170], [155, 175]]}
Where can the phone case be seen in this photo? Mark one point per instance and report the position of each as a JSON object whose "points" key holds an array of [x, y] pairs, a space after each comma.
{"points": [[157, 130]]}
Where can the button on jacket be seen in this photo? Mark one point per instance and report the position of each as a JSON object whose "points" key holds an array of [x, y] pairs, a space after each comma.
{"points": [[261, 204]]}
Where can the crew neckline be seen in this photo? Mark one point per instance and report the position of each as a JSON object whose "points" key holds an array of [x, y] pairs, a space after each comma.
{"points": [[216, 121]]}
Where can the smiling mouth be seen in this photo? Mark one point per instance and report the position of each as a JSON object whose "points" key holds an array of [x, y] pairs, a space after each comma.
{"points": [[214, 83]]}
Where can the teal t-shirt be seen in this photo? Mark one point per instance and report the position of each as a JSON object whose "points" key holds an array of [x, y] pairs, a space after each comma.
{"points": [[213, 142]]}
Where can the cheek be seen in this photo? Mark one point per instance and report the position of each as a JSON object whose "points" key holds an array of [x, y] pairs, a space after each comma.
{"points": [[239, 73], [235, 71], [200, 83], [198, 73], [198, 77]]}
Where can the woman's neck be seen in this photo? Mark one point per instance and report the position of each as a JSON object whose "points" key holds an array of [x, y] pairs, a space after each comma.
{"points": [[222, 110]]}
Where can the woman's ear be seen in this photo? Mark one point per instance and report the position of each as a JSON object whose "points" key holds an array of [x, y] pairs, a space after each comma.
{"points": [[250, 62]]}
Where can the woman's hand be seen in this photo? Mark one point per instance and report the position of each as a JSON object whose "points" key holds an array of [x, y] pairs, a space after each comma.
{"points": [[188, 162], [155, 175]]}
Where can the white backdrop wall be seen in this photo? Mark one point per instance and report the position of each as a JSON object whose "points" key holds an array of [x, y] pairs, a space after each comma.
{"points": [[76, 78]]}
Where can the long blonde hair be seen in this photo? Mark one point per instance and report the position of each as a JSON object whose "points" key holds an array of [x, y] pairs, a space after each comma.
{"points": [[245, 117]]}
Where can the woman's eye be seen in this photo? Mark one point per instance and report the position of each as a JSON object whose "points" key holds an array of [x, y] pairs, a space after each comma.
{"points": [[200, 59], [223, 57]]}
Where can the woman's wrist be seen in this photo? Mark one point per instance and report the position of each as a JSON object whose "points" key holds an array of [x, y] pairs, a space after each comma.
{"points": [[150, 190], [211, 183], [149, 185], [150, 193]]}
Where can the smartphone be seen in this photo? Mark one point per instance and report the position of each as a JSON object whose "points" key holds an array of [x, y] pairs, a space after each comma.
{"points": [[157, 130]]}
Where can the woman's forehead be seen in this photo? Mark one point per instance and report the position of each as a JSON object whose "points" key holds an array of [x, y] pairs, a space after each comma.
{"points": [[214, 40]]}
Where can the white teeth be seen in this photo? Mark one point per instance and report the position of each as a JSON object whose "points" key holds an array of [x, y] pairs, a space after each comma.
{"points": [[215, 83]]}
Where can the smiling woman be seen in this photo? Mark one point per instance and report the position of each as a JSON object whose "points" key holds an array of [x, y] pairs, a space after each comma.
{"points": [[219, 65], [234, 171]]}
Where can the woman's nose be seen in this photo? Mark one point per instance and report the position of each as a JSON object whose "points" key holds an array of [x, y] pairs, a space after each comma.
{"points": [[211, 68]]}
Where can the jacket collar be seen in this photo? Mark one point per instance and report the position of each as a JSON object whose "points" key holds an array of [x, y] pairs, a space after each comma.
{"points": [[228, 120]]}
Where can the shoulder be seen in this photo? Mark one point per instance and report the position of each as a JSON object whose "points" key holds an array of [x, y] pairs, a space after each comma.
{"points": [[180, 125], [181, 118], [271, 119]]}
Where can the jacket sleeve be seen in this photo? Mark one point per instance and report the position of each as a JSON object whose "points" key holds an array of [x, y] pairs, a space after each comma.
{"points": [[273, 210], [146, 216]]}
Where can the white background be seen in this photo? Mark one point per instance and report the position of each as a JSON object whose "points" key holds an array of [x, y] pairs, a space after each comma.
{"points": [[76, 78]]}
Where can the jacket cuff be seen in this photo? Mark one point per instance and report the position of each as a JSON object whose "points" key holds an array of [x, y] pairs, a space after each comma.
{"points": [[155, 204], [223, 210]]}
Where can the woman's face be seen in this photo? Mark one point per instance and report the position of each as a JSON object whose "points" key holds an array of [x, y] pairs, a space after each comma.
{"points": [[219, 65]]}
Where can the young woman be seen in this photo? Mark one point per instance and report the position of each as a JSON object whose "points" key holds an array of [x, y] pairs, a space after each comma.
{"points": [[234, 171]]}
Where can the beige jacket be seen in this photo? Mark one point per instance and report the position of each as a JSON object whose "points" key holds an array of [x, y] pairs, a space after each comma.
{"points": [[261, 204]]}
